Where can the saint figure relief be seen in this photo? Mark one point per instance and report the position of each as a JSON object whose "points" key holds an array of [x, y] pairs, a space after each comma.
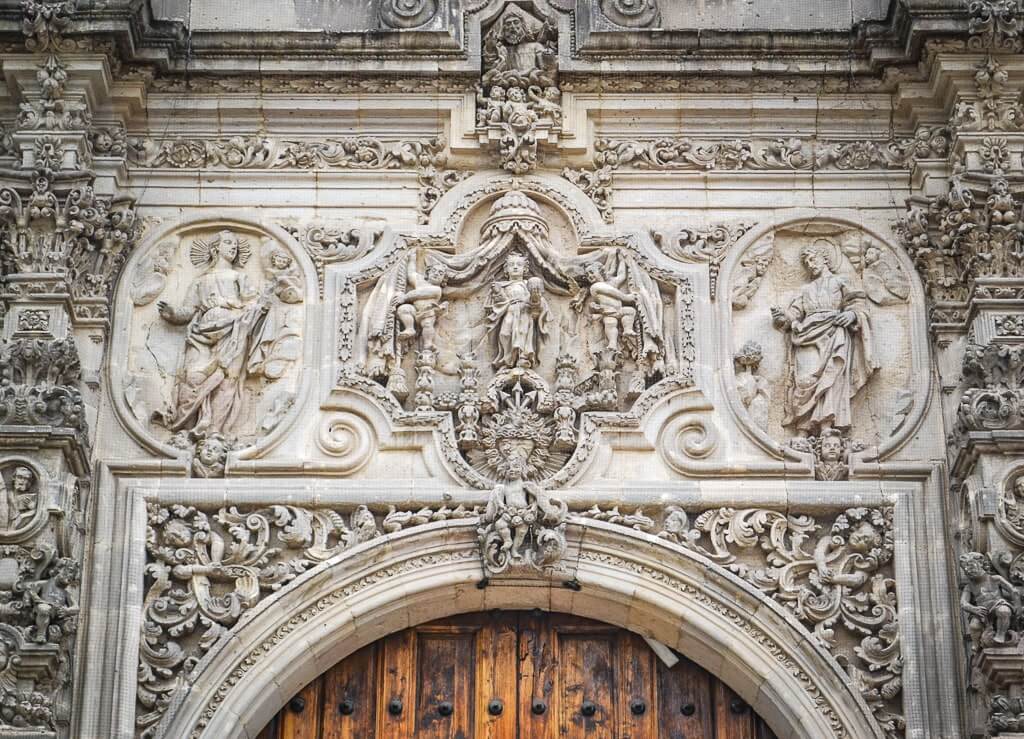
{"points": [[830, 353], [234, 331], [518, 316], [18, 498]]}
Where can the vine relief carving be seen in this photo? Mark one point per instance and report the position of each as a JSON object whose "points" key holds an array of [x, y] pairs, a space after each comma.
{"points": [[816, 298], [215, 341], [836, 579]]}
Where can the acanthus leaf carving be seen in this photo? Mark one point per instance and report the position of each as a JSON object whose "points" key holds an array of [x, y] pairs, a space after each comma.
{"points": [[836, 579], [994, 25], [44, 21], [702, 245]]}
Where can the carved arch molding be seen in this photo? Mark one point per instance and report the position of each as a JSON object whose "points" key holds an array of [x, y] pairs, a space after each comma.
{"points": [[627, 578]]}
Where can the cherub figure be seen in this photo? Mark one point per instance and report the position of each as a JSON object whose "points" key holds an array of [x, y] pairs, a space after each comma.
{"points": [[547, 101], [51, 601], [610, 304], [491, 106], [516, 111], [832, 463], [989, 600], [421, 304]]}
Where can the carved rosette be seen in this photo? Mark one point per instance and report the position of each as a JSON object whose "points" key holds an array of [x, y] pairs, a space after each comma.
{"points": [[632, 13], [407, 13]]}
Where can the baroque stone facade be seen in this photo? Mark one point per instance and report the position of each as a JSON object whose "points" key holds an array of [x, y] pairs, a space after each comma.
{"points": [[349, 307]]}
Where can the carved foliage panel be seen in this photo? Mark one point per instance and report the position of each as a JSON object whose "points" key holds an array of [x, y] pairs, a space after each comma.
{"points": [[824, 337]]}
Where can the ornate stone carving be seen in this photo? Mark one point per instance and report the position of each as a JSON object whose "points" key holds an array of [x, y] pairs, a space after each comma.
{"points": [[150, 276], [213, 360], [406, 13], [710, 245], [831, 452], [34, 321], [597, 184], [632, 13], [38, 620], [81, 239], [328, 243], [20, 499], [995, 107], [43, 22], [994, 25], [990, 602], [993, 388], [752, 269], [434, 183], [255, 152], [525, 334], [753, 389], [49, 109], [39, 385], [843, 589], [830, 348], [519, 102]]}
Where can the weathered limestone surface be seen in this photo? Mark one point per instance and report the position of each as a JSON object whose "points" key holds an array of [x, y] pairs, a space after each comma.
{"points": [[327, 318]]}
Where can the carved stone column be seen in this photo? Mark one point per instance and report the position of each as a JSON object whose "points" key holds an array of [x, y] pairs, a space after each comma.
{"points": [[967, 239], [61, 247]]}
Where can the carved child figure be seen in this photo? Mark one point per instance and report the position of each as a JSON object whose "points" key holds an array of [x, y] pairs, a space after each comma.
{"points": [[831, 464], [420, 305], [51, 600], [610, 304], [989, 599]]}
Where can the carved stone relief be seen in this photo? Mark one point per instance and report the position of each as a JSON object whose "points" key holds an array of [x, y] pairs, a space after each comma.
{"points": [[23, 500], [219, 353], [515, 337], [817, 297]]}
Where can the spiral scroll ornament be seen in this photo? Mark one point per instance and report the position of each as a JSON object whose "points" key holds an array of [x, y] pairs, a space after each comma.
{"points": [[407, 13], [632, 13]]}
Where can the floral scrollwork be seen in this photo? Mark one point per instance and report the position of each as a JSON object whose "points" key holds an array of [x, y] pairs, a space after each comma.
{"points": [[836, 579]]}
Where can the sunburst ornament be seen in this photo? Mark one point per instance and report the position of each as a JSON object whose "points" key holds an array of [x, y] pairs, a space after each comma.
{"points": [[516, 441], [204, 253]]}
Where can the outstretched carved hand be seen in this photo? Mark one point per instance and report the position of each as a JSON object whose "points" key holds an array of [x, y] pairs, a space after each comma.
{"points": [[165, 310], [778, 317], [846, 318]]}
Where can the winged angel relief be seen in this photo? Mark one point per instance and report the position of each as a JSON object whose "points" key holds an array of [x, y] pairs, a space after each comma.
{"points": [[517, 341]]}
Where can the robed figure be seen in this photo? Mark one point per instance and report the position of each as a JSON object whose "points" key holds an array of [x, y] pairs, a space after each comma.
{"points": [[829, 345], [228, 336]]}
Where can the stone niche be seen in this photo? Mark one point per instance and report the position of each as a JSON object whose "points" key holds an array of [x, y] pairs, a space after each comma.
{"points": [[824, 331], [211, 352]]}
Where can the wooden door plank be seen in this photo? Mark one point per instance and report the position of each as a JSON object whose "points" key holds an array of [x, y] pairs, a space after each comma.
{"points": [[353, 680], [635, 687], [729, 723], [397, 683], [685, 701], [304, 724], [271, 730], [496, 677], [538, 673], [586, 674], [445, 688]]}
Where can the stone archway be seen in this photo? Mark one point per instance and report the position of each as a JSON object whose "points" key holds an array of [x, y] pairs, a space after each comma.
{"points": [[622, 577]]}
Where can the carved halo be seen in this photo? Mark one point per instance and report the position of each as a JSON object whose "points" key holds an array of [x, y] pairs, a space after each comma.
{"points": [[202, 254]]}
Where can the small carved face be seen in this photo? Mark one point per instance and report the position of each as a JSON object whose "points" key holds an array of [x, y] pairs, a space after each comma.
{"points": [[973, 565], [831, 449], [437, 274], [814, 261], [516, 95], [103, 142], [1018, 487], [872, 254], [517, 452], [227, 246], [593, 272], [22, 479], [211, 452], [513, 30], [177, 534], [280, 261], [864, 538], [363, 519], [552, 94], [498, 93], [515, 267]]}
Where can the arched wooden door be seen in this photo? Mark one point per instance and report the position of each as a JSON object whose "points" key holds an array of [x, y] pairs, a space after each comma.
{"points": [[515, 675]]}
